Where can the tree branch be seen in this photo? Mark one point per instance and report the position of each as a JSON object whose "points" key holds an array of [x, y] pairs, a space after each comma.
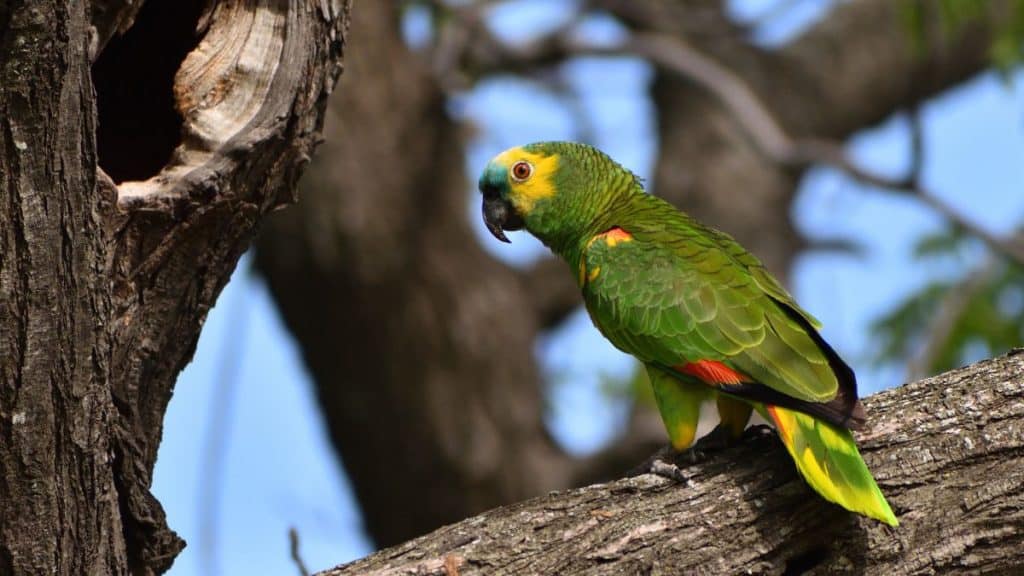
{"points": [[947, 451], [832, 154], [675, 55], [293, 548]]}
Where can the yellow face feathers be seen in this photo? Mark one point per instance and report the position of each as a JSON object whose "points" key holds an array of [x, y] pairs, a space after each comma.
{"points": [[529, 177]]}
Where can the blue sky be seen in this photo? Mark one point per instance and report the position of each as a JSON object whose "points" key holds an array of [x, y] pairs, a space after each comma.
{"points": [[278, 469]]}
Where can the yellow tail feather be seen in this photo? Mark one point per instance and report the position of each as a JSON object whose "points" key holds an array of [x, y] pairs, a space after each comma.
{"points": [[828, 459]]}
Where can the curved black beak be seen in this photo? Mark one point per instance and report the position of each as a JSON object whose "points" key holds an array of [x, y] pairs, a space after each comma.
{"points": [[499, 215]]}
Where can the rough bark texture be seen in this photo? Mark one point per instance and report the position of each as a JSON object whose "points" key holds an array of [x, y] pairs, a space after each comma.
{"points": [[104, 287], [422, 346], [57, 494], [947, 451]]}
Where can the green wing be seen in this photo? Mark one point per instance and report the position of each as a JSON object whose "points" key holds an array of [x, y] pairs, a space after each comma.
{"points": [[679, 293]]}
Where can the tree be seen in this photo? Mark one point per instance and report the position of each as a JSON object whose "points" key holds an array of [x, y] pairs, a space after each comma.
{"points": [[948, 451], [127, 196], [422, 346]]}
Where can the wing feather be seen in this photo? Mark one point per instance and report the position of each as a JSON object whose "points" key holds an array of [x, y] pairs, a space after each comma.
{"points": [[691, 299]]}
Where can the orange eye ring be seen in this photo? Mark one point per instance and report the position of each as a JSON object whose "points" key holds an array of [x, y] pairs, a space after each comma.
{"points": [[521, 171]]}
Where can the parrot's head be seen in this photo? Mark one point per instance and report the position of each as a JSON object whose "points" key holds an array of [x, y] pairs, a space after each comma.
{"points": [[556, 190]]}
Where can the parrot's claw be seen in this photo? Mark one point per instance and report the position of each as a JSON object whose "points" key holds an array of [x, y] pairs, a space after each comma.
{"points": [[661, 464], [758, 431], [671, 471], [663, 457]]}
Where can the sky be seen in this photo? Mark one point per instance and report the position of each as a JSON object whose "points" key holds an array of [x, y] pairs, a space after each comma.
{"points": [[275, 466]]}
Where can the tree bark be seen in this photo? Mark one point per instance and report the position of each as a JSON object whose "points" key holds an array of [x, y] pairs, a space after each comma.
{"points": [[947, 451], [104, 286]]}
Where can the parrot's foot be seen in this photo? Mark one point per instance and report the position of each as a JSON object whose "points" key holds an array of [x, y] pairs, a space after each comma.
{"points": [[720, 438], [661, 464], [715, 441], [666, 462], [668, 470]]}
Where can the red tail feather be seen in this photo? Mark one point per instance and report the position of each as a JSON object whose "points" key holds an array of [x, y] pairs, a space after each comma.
{"points": [[711, 372]]}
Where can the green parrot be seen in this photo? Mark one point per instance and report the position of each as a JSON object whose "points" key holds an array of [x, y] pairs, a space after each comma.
{"points": [[706, 319]]}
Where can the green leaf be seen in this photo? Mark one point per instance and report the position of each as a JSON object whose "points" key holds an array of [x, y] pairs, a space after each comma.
{"points": [[945, 242], [990, 321]]}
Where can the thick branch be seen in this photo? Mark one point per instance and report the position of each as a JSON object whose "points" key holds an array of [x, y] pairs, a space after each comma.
{"points": [[861, 63], [947, 451], [403, 318], [768, 136]]}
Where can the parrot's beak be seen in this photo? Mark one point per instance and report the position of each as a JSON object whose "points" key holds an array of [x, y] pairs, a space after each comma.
{"points": [[499, 215]]}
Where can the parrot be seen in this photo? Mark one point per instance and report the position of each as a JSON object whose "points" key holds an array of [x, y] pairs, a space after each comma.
{"points": [[709, 323]]}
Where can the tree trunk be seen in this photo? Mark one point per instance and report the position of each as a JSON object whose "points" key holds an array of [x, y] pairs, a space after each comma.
{"points": [[947, 451], [400, 311], [205, 114]]}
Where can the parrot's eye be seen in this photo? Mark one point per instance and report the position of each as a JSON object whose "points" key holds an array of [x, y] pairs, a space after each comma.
{"points": [[521, 171]]}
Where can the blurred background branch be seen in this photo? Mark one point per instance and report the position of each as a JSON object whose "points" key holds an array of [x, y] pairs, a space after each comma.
{"points": [[674, 55]]}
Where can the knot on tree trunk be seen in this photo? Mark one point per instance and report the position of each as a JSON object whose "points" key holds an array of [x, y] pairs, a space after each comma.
{"points": [[225, 85]]}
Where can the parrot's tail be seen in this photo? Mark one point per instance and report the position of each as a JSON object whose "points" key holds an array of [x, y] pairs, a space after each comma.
{"points": [[827, 457]]}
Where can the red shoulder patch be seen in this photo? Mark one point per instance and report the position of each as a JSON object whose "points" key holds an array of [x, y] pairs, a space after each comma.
{"points": [[616, 235], [711, 372], [612, 236]]}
